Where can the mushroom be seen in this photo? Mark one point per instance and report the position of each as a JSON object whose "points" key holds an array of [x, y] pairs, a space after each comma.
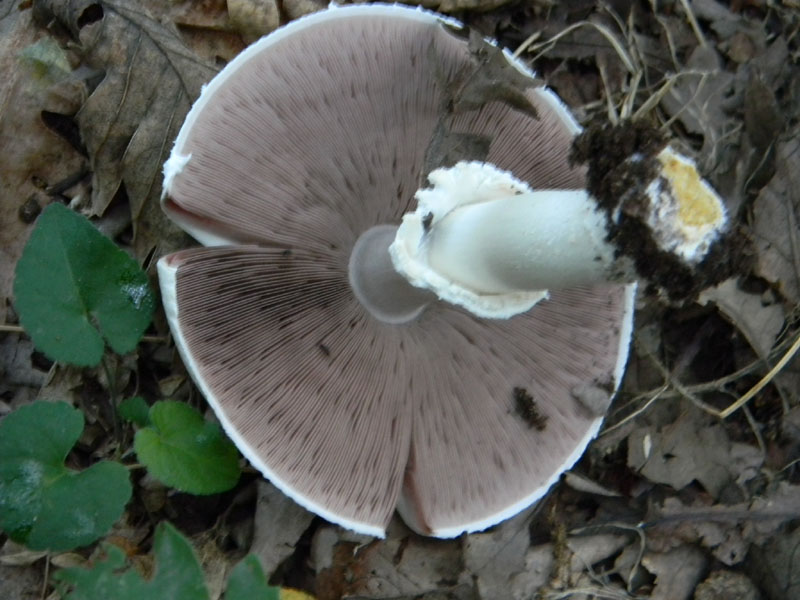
{"points": [[355, 392]]}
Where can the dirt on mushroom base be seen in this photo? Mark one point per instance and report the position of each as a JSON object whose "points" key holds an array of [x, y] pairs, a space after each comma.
{"points": [[620, 157], [704, 517]]}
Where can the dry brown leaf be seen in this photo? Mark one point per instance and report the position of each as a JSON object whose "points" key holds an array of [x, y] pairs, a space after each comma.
{"points": [[726, 530], [254, 18], [16, 368], [452, 6], [494, 557], [582, 554], [17, 582], [759, 321], [697, 97], [16, 555], [216, 563], [677, 572], [203, 25], [279, 523], [404, 565], [722, 585], [538, 566], [777, 223], [692, 448], [33, 156], [130, 120], [298, 8], [776, 566], [203, 14]]}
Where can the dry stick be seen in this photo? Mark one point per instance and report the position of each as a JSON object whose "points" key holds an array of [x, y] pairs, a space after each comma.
{"points": [[696, 93], [524, 45], [630, 98], [689, 392], [46, 576], [693, 22], [667, 33], [764, 380], [681, 389], [611, 110], [754, 426], [623, 55], [637, 412]]}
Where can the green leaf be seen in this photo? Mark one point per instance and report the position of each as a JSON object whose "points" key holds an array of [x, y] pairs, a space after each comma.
{"points": [[43, 504], [135, 410], [177, 576], [186, 452], [248, 582], [74, 289]]}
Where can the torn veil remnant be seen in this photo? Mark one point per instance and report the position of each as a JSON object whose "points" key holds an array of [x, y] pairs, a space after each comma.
{"points": [[352, 390]]}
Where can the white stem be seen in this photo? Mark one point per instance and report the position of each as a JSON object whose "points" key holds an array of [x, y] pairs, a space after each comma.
{"points": [[482, 239], [529, 241]]}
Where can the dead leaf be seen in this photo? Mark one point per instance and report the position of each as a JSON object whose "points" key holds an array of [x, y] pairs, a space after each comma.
{"points": [[203, 25], [759, 321], [698, 96], [68, 560], [726, 530], [298, 8], [538, 565], [777, 223], [13, 554], [279, 523], [131, 118], [254, 18], [582, 554], [722, 585], [677, 572], [16, 368], [404, 565], [452, 6], [692, 448], [776, 566], [216, 563], [490, 78], [17, 582], [494, 557], [586, 485], [33, 156]]}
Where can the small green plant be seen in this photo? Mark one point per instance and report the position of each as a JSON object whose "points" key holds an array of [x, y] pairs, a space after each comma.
{"points": [[185, 451], [43, 504], [77, 295], [75, 291], [177, 576]]}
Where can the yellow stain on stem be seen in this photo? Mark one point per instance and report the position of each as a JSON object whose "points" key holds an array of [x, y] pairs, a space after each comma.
{"points": [[698, 204]]}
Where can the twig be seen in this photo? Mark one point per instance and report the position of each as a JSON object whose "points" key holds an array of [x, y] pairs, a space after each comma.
{"points": [[11, 329], [46, 576], [764, 380], [693, 22], [637, 412], [756, 432], [621, 52]]}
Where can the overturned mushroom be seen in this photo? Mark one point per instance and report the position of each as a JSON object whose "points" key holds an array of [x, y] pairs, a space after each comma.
{"points": [[352, 390]]}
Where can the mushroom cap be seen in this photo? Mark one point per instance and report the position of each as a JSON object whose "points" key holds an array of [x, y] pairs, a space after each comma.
{"points": [[310, 137]]}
